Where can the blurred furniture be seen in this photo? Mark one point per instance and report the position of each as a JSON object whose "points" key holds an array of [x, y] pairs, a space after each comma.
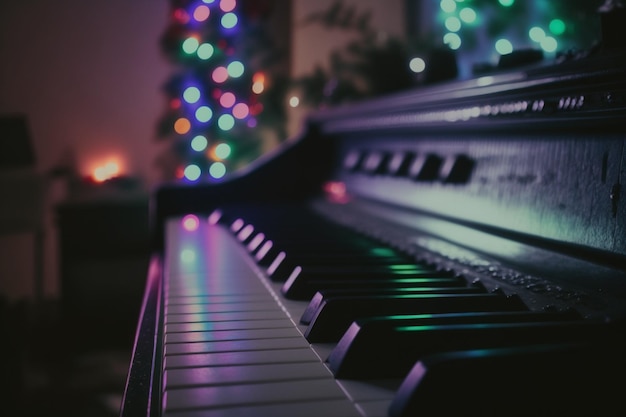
{"points": [[22, 191], [104, 244]]}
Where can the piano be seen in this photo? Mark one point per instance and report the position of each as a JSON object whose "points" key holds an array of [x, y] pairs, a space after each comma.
{"points": [[457, 250]]}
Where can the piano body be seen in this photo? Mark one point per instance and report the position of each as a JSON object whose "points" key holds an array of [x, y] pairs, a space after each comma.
{"points": [[455, 250]]}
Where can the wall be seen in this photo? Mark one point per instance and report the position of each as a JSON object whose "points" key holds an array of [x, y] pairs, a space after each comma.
{"points": [[88, 76], [312, 44]]}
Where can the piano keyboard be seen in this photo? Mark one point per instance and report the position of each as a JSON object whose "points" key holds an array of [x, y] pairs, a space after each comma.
{"points": [[341, 324], [232, 347]]}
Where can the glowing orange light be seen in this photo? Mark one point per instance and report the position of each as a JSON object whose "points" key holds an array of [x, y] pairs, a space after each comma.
{"points": [[107, 171], [258, 77], [258, 83], [191, 222], [180, 172], [182, 126], [257, 88]]}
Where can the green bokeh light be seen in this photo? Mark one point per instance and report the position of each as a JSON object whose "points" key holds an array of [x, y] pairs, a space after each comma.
{"points": [[557, 27]]}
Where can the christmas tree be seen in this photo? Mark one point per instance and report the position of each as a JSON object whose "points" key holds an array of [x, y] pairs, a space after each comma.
{"points": [[225, 94]]}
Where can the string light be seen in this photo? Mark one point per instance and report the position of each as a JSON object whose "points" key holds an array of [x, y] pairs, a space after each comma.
{"points": [[417, 65], [557, 27], [181, 15], [448, 6], [453, 24], [452, 40], [220, 74], [204, 114], [192, 172], [201, 13], [199, 143], [226, 122], [229, 20], [227, 100], [241, 110], [217, 170], [235, 69], [175, 103], [468, 15], [504, 46], [191, 95], [190, 45], [182, 126], [228, 5], [536, 34], [205, 51], [223, 150], [258, 83], [549, 44], [217, 96]]}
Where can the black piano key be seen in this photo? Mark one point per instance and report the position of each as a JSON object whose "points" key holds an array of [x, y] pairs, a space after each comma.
{"points": [[381, 347], [335, 315], [553, 380], [306, 289], [324, 294], [268, 251], [281, 270]]}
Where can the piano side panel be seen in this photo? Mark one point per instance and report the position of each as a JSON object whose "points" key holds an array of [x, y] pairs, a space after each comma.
{"points": [[618, 194]]}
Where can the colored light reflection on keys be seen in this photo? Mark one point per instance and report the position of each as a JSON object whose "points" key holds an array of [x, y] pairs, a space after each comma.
{"points": [[421, 296], [410, 316], [452, 327], [410, 280], [400, 269], [188, 255], [383, 252], [191, 222]]}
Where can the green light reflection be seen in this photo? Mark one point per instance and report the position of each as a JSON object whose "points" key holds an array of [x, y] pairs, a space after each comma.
{"points": [[383, 252]]}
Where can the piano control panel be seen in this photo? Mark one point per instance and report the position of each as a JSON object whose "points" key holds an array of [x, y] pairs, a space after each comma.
{"points": [[449, 169]]}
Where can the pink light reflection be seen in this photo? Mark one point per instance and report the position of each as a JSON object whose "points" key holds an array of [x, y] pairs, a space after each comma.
{"points": [[191, 222]]}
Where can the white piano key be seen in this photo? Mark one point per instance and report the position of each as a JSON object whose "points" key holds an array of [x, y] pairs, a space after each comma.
{"points": [[209, 299], [231, 344], [320, 408], [200, 288], [220, 308], [228, 325], [237, 345], [245, 374], [241, 358], [251, 394], [230, 335], [228, 316]]}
